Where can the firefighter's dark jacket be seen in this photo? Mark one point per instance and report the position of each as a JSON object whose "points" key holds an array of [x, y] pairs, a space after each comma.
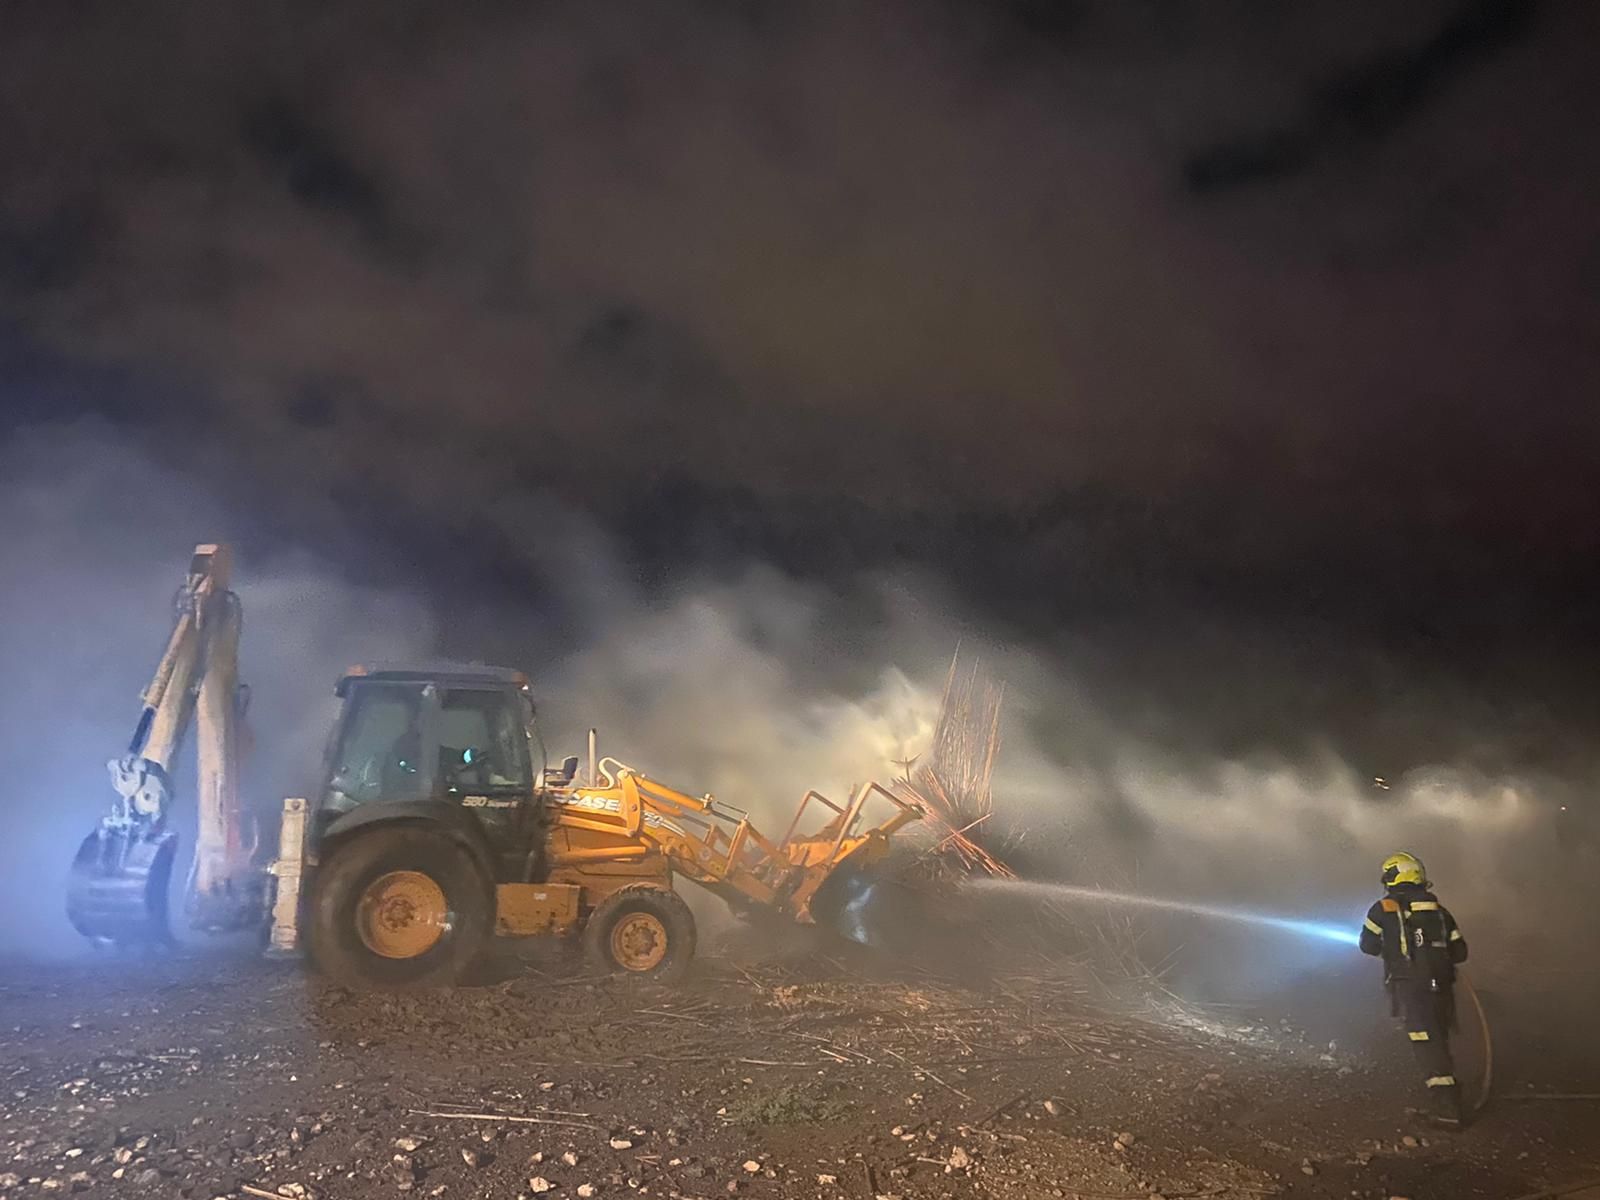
{"points": [[1415, 934]]}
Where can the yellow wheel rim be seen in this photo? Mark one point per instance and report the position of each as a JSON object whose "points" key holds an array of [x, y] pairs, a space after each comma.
{"points": [[402, 914], [638, 942]]}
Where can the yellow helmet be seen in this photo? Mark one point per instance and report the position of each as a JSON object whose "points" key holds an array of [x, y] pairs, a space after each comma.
{"points": [[1404, 868]]}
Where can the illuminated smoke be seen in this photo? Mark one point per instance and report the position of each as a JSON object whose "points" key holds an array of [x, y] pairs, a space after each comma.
{"points": [[1295, 925]]}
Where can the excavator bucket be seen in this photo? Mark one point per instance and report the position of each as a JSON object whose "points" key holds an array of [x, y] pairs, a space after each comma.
{"points": [[117, 890]]}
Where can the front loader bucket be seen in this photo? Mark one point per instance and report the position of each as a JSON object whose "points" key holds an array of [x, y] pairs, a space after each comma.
{"points": [[836, 862], [872, 908], [838, 902], [117, 891]]}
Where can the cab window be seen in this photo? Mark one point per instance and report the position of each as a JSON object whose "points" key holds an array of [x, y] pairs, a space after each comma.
{"points": [[380, 747], [482, 742]]}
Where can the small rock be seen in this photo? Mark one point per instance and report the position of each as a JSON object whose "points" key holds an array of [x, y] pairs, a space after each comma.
{"points": [[538, 1185], [585, 1190], [1051, 1107], [827, 1180], [621, 1143], [10, 1180], [752, 1166], [408, 1143], [1307, 1169], [403, 1170], [1409, 1142], [570, 1158], [471, 1157], [960, 1160], [292, 1191], [149, 1177]]}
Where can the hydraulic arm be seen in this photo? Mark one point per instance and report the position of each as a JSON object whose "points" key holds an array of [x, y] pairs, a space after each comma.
{"points": [[627, 814], [119, 883]]}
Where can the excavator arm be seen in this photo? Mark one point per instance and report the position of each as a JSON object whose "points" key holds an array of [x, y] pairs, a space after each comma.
{"points": [[119, 883]]}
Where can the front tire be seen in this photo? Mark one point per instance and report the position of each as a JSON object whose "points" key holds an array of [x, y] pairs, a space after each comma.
{"points": [[642, 931], [398, 908]]}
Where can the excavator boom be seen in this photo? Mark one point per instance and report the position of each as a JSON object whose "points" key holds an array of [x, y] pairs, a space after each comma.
{"points": [[118, 887]]}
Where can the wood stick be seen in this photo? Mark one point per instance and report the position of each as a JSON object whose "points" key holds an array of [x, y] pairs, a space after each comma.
{"points": [[656, 1012], [465, 1116], [929, 1074], [835, 1048], [1002, 1110], [468, 1108], [1191, 1195], [1554, 1096], [1565, 1189], [773, 1062]]}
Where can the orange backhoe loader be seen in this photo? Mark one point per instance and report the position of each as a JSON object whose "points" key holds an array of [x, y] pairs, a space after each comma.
{"points": [[438, 825]]}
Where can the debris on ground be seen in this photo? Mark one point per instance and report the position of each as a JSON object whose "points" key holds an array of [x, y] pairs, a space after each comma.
{"points": [[202, 1078]]}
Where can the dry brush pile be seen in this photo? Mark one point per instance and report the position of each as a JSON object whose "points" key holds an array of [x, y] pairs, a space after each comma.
{"points": [[966, 839]]}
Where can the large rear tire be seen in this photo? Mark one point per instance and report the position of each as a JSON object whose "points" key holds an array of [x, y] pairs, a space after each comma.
{"points": [[399, 907], [643, 931]]}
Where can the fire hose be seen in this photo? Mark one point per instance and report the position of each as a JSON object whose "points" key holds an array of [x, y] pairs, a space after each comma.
{"points": [[1488, 1047]]}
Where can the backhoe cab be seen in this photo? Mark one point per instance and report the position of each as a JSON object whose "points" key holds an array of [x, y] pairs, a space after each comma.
{"points": [[438, 825]]}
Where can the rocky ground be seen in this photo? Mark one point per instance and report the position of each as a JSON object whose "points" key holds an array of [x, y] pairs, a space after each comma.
{"points": [[211, 1074]]}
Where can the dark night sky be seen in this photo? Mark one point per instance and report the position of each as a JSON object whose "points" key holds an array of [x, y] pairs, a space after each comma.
{"points": [[1284, 314]]}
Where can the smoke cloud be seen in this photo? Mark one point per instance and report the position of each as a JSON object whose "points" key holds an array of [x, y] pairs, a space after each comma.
{"points": [[753, 239], [752, 685]]}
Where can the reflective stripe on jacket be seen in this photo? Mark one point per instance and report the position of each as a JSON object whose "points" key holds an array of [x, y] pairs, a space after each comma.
{"points": [[1415, 935]]}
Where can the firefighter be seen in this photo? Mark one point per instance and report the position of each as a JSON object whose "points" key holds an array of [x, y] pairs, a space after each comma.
{"points": [[1421, 945]]}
